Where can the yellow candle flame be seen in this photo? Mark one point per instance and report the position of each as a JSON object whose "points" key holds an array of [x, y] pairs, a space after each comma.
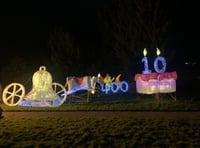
{"points": [[98, 75], [157, 51], [145, 52]]}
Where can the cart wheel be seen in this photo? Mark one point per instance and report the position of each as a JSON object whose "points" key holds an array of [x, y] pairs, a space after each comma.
{"points": [[13, 94], [61, 92]]}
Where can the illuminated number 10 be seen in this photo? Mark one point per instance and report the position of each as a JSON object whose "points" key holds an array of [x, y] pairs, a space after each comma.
{"points": [[156, 63]]}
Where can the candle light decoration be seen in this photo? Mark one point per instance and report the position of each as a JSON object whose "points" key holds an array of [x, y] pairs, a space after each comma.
{"points": [[156, 63], [145, 61], [156, 82]]}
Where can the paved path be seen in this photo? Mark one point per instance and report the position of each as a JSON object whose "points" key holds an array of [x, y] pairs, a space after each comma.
{"points": [[102, 114]]}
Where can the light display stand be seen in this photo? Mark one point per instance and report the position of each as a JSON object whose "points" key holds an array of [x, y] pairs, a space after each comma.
{"points": [[158, 82]]}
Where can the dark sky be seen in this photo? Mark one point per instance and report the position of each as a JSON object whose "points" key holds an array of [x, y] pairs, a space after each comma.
{"points": [[25, 27], [187, 28]]}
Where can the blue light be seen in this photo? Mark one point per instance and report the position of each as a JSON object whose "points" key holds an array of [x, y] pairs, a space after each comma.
{"points": [[125, 88], [146, 66], [156, 64], [114, 87], [105, 88]]}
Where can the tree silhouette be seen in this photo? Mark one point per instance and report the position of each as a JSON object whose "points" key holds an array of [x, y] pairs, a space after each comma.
{"points": [[130, 25], [64, 55], [16, 70]]}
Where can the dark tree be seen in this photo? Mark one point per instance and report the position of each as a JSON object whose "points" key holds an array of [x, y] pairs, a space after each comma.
{"points": [[65, 56], [16, 70], [128, 26]]}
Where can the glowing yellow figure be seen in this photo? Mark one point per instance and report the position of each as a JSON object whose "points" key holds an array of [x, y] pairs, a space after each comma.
{"points": [[107, 80]]}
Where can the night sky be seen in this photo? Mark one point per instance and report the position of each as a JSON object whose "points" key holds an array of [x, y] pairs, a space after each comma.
{"points": [[26, 27], [187, 29]]}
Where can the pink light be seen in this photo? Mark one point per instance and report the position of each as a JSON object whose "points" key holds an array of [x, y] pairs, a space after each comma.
{"points": [[156, 86]]}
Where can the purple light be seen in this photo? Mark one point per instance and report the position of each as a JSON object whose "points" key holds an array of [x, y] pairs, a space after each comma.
{"points": [[155, 86]]}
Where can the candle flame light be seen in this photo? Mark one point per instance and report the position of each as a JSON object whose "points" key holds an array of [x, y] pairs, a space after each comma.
{"points": [[145, 52], [157, 51], [98, 75], [159, 68]]}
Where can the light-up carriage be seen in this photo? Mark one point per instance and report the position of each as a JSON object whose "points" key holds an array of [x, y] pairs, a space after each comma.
{"points": [[44, 93]]}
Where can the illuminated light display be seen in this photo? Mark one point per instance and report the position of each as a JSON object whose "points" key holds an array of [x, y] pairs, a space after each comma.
{"points": [[159, 59], [162, 83], [109, 85], [42, 88], [145, 61], [107, 80], [44, 92], [105, 88], [124, 86], [114, 87], [156, 82], [167, 85], [156, 63], [117, 79], [75, 84]]}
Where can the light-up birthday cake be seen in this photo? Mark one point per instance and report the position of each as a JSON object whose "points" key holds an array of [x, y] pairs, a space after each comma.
{"points": [[156, 82]]}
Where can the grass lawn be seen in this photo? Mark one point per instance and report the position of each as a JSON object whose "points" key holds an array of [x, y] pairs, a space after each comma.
{"points": [[119, 102], [104, 132]]}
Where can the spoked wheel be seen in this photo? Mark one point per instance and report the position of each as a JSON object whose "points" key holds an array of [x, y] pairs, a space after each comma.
{"points": [[61, 92], [13, 94]]}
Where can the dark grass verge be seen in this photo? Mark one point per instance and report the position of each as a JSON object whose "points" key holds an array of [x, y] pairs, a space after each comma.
{"points": [[118, 102]]}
